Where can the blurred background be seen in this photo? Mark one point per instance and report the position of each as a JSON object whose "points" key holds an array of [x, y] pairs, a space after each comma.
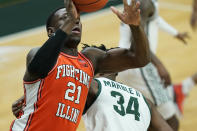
{"points": [[22, 27]]}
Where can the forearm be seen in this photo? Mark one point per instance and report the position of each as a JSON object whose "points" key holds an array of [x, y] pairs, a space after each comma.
{"points": [[155, 60], [163, 25], [47, 55], [141, 45]]}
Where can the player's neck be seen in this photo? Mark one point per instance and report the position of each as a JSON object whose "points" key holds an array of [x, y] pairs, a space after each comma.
{"points": [[70, 51]]}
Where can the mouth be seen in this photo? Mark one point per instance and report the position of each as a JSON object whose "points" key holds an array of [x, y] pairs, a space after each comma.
{"points": [[76, 30]]}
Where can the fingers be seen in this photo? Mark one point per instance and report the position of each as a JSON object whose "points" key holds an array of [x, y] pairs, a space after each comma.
{"points": [[184, 41], [16, 109], [138, 12], [68, 4], [183, 36], [186, 35], [137, 5], [133, 2], [167, 80], [115, 11], [17, 112], [131, 13], [125, 2], [17, 106]]}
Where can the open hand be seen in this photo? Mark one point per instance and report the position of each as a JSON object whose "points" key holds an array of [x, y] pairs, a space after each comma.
{"points": [[18, 106], [182, 37], [164, 75], [131, 13]]}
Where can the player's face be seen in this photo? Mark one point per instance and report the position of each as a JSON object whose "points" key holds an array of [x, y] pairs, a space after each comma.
{"points": [[61, 17]]}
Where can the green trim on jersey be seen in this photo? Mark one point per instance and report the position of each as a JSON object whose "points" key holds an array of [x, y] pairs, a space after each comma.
{"points": [[99, 88], [147, 105]]}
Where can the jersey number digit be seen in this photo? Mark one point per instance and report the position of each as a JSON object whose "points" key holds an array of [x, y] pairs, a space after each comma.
{"points": [[72, 91], [133, 102], [120, 102]]}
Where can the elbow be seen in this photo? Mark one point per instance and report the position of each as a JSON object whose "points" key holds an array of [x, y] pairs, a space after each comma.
{"points": [[143, 61]]}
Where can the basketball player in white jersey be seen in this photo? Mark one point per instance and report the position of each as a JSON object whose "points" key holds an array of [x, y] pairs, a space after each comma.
{"points": [[147, 79], [112, 106]]}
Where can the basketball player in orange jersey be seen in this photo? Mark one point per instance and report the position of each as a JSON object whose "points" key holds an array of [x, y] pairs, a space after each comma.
{"points": [[57, 77]]}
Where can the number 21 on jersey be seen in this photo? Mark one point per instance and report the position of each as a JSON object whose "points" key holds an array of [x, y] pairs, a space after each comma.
{"points": [[63, 109], [72, 91]]}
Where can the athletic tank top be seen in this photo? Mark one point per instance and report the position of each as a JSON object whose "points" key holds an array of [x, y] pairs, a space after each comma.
{"points": [[56, 102], [117, 108]]}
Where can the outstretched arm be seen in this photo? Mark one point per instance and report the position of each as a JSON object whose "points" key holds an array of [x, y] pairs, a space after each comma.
{"points": [[163, 25], [157, 122], [116, 60], [41, 60]]}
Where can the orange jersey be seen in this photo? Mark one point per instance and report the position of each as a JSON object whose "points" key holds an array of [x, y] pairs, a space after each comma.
{"points": [[56, 102]]}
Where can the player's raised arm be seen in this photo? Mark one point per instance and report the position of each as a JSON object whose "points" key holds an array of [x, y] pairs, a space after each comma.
{"points": [[119, 59], [41, 60]]}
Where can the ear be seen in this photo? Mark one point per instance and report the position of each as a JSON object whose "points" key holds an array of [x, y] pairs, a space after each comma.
{"points": [[50, 31]]}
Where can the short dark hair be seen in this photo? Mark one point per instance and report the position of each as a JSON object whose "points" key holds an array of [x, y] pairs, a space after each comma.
{"points": [[51, 16]]}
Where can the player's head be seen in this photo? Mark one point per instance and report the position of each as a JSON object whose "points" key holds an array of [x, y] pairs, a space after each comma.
{"points": [[57, 19], [111, 76]]}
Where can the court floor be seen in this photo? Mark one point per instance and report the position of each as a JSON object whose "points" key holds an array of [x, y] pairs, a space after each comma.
{"points": [[103, 28]]}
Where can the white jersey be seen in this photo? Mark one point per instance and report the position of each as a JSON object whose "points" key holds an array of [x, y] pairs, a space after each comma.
{"points": [[147, 79], [117, 108]]}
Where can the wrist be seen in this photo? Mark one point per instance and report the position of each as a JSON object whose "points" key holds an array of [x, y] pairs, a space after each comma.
{"points": [[134, 26]]}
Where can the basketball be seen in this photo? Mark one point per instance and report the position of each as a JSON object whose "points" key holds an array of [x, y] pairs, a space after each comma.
{"points": [[89, 5]]}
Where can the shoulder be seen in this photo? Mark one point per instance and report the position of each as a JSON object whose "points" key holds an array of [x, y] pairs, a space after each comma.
{"points": [[31, 54], [91, 51], [33, 51], [93, 54]]}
